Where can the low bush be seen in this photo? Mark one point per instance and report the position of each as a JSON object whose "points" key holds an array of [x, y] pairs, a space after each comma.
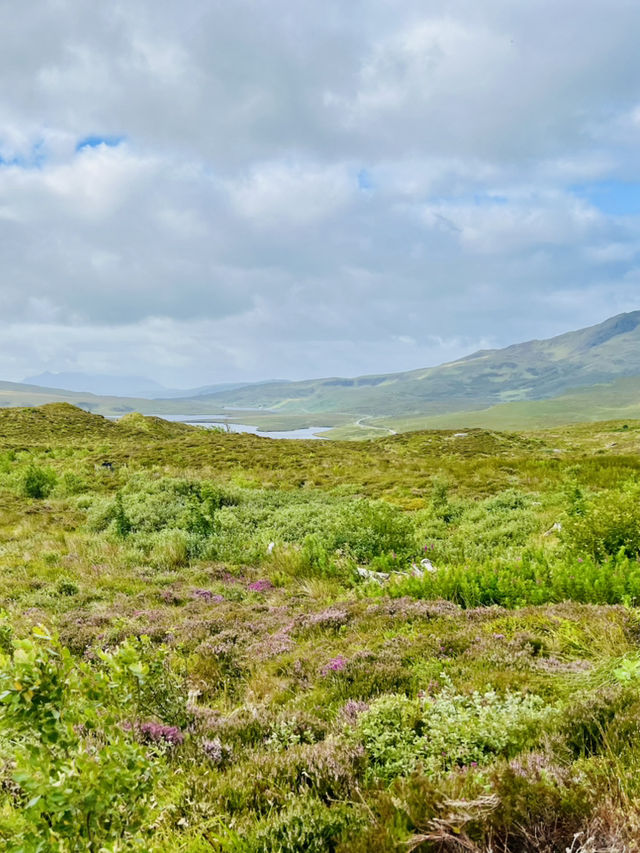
{"points": [[449, 730], [81, 781], [38, 482], [606, 525], [309, 825], [535, 578]]}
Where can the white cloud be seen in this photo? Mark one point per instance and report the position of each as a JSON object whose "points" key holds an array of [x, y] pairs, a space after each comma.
{"points": [[282, 194], [517, 224], [308, 189]]}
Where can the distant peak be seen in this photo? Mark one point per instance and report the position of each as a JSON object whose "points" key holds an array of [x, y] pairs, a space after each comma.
{"points": [[621, 324]]}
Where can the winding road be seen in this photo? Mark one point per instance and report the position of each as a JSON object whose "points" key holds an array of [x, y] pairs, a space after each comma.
{"points": [[372, 426]]}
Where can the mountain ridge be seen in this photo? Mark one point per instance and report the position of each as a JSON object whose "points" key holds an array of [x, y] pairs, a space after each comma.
{"points": [[533, 370], [524, 373]]}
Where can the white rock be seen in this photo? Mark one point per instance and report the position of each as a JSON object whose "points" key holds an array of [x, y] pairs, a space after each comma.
{"points": [[428, 565], [368, 574], [270, 547]]}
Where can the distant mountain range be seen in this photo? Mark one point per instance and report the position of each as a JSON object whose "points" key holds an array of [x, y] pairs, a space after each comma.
{"points": [[535, 370], [111, 385], [572, 376]]}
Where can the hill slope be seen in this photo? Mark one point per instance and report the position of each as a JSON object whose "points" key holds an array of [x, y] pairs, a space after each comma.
{"points": [[588, 374], [534, 370]]}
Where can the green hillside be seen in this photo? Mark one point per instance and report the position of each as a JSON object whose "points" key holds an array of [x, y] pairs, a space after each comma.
{"points": [[530, 371], [616, 400], [590, 374]]}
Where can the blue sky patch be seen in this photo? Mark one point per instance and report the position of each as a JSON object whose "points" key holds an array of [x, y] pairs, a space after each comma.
{"points": [[365, 181], [618, 198], [95, 141], [34, 159]]}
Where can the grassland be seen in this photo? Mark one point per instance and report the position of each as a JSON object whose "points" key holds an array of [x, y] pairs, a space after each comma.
{"points": [[427, 641]]}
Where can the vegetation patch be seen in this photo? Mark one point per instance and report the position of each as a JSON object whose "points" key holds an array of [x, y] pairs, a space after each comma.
{"points": [[210, 641]]}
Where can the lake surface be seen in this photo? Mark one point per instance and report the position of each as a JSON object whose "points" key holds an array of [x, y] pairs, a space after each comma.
{"points": [[211, 422]]}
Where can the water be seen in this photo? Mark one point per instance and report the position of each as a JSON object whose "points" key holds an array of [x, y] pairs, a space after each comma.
{"points": [[210, 422]]}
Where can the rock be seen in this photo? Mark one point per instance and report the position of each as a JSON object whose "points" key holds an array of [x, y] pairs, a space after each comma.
{"points": [[369, 575], [428, 565]]}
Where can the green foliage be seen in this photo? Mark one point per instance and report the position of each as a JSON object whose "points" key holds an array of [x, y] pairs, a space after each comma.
{"points": [[64, 586], [149, 505], [81, 781], [608, 524], [121, 523], [532, 579], [38, 482], [214, 691], [309, 825], [146, 682], [71, 483], [176, 520], [451, 729]]}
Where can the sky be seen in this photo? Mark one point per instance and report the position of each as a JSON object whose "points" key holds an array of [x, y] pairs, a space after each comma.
{"points": [[239, 190]]}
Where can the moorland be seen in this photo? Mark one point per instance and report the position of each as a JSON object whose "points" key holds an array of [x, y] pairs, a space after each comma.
{"points": [[427, 641]]}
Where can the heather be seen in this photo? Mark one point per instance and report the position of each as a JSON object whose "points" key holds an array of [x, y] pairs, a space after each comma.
{"points": [[427, 641]]}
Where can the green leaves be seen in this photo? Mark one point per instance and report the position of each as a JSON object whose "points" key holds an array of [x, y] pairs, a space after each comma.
{"points": [[449, 730], [85, 782], [38, 482], [628, 670]]}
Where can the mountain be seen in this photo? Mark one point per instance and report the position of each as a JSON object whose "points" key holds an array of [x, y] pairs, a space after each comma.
{"points": [[102, 384], [109, 385], [588, 374], [535, 370]]}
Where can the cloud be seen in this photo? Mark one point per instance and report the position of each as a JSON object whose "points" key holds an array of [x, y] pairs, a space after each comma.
{"points": [[282, 194], [247, 190]]}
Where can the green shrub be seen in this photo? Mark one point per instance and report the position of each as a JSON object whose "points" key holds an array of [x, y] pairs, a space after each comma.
{"points": [[535, 578], [449, 730], [82, 782], [71, 483], [309, 826], [607, 525], [38, 482], [146, 681], [152, 505], [64, 586]]}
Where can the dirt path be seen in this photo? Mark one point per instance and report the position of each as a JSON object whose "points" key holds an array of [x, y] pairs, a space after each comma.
{"points": [[371, 426]]}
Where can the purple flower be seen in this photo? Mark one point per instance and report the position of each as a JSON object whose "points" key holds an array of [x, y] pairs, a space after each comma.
{"points": [[261, 586], [157, 732], [335, 665], [170, 596], [352, 710], [207, 595], [216, 751]]}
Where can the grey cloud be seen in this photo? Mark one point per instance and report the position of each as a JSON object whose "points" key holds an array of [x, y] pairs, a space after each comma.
{"points": [[230, 236]]}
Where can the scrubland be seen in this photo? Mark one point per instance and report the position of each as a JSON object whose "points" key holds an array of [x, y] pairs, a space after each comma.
{"points": [[191, 661]]}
